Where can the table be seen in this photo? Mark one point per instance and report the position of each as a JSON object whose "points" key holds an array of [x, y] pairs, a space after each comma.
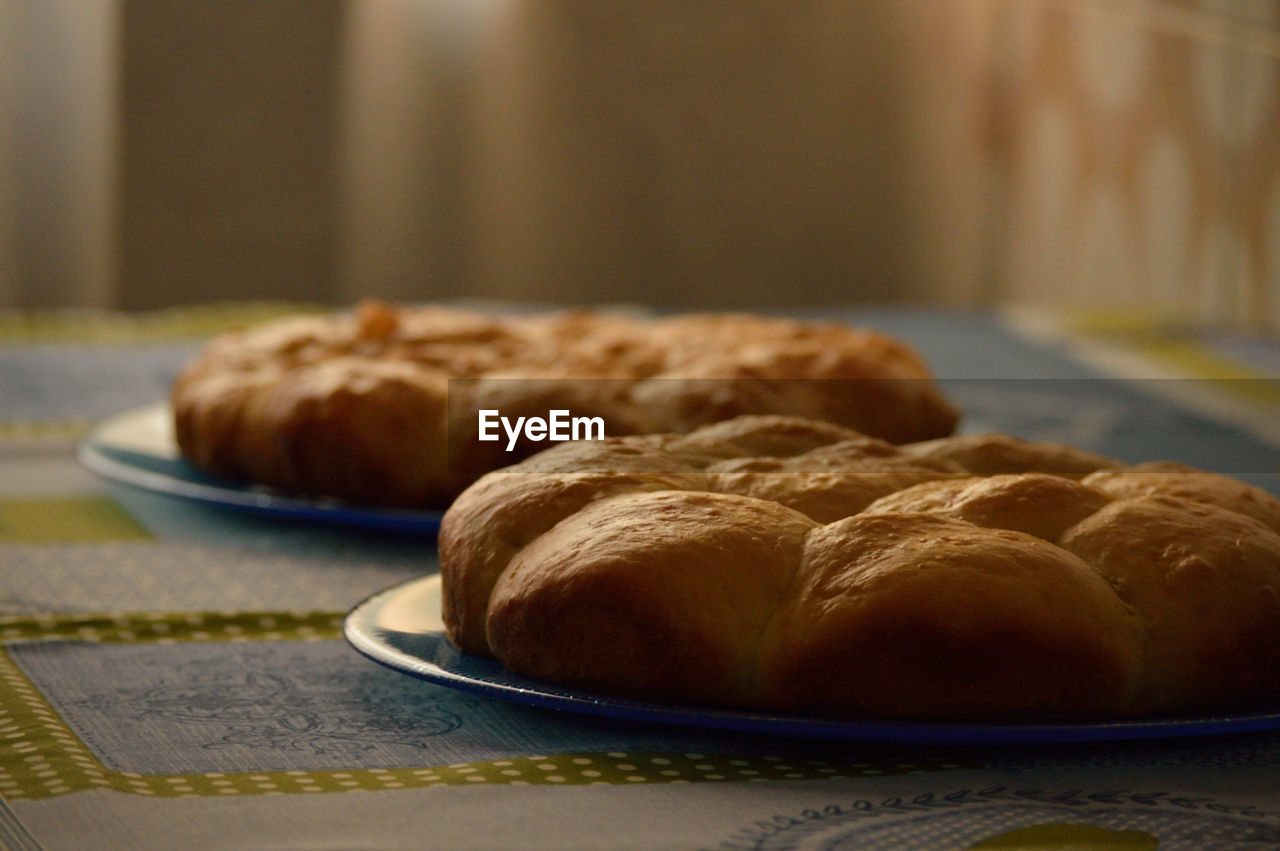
{"points": [[172, 675]]}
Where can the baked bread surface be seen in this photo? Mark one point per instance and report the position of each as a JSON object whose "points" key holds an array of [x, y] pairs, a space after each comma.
{"points": [[380, 406], [780, 564]]}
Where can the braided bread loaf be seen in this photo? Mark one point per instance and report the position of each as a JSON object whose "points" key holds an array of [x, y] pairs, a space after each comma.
{"points": [[780, 564], [366, 407]]}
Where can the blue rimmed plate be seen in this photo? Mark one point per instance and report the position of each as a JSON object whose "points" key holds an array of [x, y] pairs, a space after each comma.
{"points": [[137, 448], [401, 628]]}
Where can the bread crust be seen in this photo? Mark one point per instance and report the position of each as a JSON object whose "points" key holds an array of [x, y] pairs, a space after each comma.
{"points": [[1205, 581], [693, 568], [921, 616], [676, 620], [1178, 480], [379, 406], [1039, 504], [992, 454]]}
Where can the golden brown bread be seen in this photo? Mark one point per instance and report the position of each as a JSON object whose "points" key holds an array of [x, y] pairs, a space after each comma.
{"points": [[379, 407], [1205, 581], [919, 616], [682, 615], [989, 454], [1170, 479], [1036, 503], [773, 563]]}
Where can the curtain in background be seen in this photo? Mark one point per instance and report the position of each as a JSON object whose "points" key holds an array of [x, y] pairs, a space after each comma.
{"points": [[704, 153], [1136, 151], [58, 75], [1115, 153]]}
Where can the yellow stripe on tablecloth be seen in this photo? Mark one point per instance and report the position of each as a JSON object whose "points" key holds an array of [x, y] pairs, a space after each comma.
{"points": [[1169, 342], [44, 431], [1174, 346], [1195, 360], [172, 627], [67, 519], [41, 757], [114, 327]]}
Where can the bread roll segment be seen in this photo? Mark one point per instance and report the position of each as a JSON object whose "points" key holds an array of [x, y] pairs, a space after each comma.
{"points": [[1206, 583], [1179, 480], [693, 568], [670, 591], [1036, 503], [919, 616], [504, 514], [991, 454]]}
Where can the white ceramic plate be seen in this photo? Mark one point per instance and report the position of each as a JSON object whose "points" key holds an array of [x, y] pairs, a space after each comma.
{"points": [[137, 448], [401, 628]]}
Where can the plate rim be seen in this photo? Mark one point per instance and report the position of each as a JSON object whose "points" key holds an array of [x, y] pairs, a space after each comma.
{"points": [[361, 635], [97, 455]]}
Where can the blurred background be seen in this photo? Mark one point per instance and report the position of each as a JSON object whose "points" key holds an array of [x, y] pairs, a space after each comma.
{"points": [[1100, 154]]}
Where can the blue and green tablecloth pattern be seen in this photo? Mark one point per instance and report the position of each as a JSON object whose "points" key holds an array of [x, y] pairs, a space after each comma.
{"points": [[173, 675]]}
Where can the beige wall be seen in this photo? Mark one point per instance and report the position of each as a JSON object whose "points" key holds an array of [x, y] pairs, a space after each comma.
{"points": [[58, 78], [228, 160], [408, 71], [156, 152], [719, 154], [8, 154], [1088, 153], [673, 152]]}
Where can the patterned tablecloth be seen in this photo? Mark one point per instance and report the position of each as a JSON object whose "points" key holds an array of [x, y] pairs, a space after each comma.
{"points": [[172, 675]]}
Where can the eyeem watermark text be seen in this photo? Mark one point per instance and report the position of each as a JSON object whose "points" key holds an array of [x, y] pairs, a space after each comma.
{"points": [[559, 424]]}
